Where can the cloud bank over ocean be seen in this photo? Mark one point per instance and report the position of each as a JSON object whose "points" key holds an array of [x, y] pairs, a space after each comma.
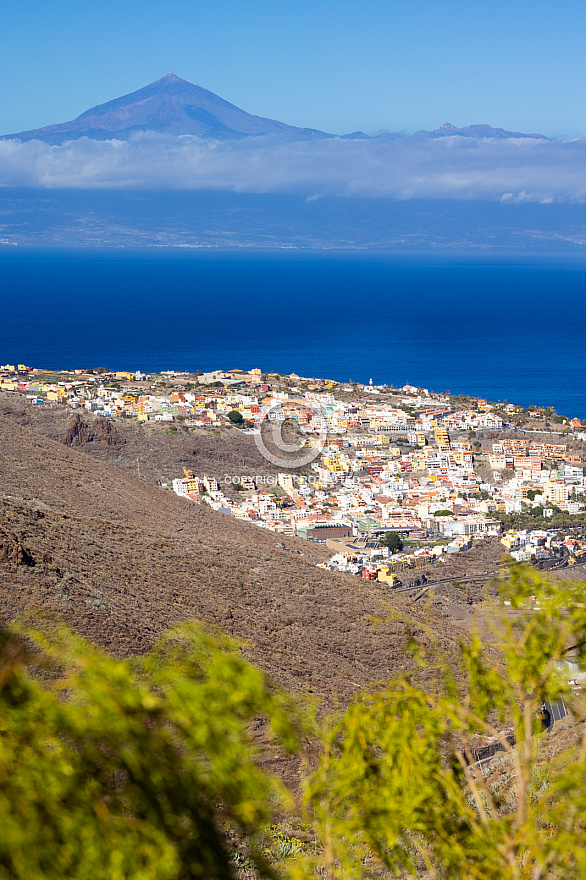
{"points": [[509, 170]]}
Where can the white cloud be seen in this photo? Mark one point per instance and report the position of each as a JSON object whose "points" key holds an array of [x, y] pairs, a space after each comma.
{"points": [[514, 170]]}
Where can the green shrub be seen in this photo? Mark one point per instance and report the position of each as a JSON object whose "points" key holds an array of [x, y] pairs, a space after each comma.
{"points": [[131, 769], [143, 769], [398, 789]]}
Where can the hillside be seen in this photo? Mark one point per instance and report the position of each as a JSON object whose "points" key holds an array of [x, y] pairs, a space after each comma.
{"points": [[121, 559], [157, 452]]}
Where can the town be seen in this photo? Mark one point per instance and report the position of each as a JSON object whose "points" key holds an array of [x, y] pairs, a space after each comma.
{"points": [[390, 480]]}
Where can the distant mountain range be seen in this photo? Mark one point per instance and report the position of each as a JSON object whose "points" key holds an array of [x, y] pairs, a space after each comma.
{"points": [[479, 131], [174, 106]]}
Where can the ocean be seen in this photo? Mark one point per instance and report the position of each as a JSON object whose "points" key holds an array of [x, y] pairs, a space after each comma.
{"points": [[504, 328]]}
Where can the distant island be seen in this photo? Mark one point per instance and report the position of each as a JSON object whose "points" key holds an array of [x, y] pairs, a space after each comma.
{"points": [[174, 165], [175, 106]]}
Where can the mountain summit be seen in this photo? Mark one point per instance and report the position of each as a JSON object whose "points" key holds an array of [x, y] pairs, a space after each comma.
{"points": [[480, 131], [175, 106], [170, 105]]}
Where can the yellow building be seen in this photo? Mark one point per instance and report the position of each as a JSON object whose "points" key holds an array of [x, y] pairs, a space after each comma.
{"points": [[386, 576], [462, 457], [556, 492], [442, 438], [57, 395], [335, 464]]}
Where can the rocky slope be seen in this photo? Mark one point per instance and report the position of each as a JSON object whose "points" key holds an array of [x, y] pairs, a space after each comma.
{"points": [[156, 451], [121, 559]]}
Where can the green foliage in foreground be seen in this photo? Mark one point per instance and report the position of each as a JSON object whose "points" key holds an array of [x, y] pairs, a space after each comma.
{"points": [[143, 769], [131, 770], [398, 789]]}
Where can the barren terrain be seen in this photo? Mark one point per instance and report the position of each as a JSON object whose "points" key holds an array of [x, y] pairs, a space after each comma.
{"points": [[121, 559], [154, 451]]}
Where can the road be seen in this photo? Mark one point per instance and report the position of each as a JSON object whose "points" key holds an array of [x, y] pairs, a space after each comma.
{"points": [[556, 564], [557, 710]]}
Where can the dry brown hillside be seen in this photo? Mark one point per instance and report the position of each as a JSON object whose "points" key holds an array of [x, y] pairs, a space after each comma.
{"points": [[121, 559], [160, 451]]}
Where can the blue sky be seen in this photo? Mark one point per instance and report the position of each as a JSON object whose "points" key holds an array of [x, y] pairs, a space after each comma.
{"points": [[338, 66]]}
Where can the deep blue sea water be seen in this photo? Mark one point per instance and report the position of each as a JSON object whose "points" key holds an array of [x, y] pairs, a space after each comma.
{"points": [[505, 328]]}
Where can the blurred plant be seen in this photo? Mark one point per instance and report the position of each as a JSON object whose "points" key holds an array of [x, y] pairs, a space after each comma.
{"points": [[400, 790], [138, 769], [143, 769]]}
